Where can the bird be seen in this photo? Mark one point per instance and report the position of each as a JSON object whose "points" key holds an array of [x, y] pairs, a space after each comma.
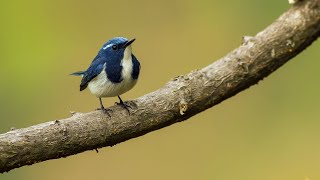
{"points": [[113, 72]]}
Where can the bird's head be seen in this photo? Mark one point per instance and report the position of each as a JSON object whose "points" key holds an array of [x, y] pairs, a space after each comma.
{"points": [[116, 49]]}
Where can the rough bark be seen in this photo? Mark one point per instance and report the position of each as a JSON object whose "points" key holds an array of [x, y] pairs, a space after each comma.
{"points": [[181, 98]]}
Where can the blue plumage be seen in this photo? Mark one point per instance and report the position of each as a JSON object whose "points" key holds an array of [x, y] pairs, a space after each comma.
{"points": [[136, 67], [114, 71], [94, 70]]}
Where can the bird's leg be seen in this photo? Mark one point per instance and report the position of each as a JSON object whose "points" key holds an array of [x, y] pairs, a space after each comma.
{"points": [[124, 105], [104, 110]]}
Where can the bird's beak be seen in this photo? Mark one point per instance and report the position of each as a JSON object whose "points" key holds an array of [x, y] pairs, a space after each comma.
{"points": [[128, 43]]}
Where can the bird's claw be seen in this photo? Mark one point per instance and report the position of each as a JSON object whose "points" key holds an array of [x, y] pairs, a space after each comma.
{"points": [[105, 111], [125, 106]]}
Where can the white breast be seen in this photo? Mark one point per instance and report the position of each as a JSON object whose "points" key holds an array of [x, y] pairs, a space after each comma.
{"points": [[102, 87]]}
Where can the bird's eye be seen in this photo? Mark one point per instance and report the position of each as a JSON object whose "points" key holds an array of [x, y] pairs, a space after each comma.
{"points": [[114, 47]]}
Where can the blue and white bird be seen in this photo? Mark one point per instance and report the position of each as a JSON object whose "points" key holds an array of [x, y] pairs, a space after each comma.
{"points": [[114, 71]]}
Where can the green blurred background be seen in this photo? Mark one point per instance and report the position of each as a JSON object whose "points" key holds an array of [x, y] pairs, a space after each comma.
{"points": [[270, 131]]}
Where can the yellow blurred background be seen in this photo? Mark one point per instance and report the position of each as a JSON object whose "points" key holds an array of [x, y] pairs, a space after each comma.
{"points": [[270, 131]]}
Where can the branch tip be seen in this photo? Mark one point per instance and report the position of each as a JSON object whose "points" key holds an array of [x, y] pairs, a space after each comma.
{"points": [[293, 1]]}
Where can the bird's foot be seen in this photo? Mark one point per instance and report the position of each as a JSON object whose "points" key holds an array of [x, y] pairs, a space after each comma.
{"points": [[105, 111], [124, 105]]}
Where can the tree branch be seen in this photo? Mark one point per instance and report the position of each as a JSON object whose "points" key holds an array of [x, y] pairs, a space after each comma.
{"points": [[181, 98]]}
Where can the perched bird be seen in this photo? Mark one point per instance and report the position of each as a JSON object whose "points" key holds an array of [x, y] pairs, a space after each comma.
{"points": [[114, 71]]}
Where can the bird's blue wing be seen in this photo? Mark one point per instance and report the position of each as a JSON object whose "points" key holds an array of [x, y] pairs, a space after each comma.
{"points": [[94, 70], [136, 67]]}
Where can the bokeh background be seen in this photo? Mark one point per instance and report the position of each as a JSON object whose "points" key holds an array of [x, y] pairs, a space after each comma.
{"points": [[270, 131]]}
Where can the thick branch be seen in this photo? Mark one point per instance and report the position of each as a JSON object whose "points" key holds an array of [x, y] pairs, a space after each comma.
{"points": [[179, 99]]}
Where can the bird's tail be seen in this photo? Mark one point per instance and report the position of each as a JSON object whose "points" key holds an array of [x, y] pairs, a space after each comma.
{"points": [[79, 73]]}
